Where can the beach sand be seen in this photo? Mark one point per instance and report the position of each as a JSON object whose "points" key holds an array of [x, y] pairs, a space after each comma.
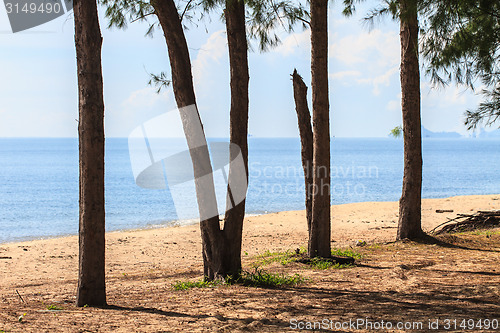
{"points": [[142, 265]]}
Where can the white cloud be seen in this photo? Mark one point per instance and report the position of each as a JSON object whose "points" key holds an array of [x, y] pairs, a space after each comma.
{"points": [[384, 79], [140, 105], [455, 95], [212, 51], [339, 22], [394, 105], [211, 76], [344, 74], [452, 96], [443, 108], [145, 97], [366, 58], [381, 48], [298, 41]]}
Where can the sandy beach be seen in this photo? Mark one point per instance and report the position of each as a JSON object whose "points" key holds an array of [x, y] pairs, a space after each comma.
{"points": [[142, 265]]}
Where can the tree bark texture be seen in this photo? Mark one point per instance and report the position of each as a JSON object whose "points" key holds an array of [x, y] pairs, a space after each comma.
{"points": [[221, 248], [306, 139], [410, 203], [88, 41], [238, 63], [320, 232], [182, 82]]}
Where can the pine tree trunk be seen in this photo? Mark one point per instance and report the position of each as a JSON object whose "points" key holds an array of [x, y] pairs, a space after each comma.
{"points": [[410, 203], [182, 81], [88, 41], [238, 62], [306, 139], [320, 232], [221, 248]]}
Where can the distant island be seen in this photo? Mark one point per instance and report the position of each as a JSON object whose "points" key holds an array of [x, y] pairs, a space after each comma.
{"points": [[483, 134], [443, 135]]}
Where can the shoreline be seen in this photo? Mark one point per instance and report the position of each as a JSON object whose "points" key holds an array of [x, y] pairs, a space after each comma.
{"points": [[166, 224], [248, 217]]}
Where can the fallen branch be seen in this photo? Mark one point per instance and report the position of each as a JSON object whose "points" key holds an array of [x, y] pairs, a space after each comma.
{"points": [[18, 294], [467, 222], [444, 210]]}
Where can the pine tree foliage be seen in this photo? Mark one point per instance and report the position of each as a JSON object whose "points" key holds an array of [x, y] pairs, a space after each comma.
{"points": [[266, 19], [462, 44]]}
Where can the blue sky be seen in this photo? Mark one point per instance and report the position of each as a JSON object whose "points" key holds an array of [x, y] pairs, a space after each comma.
{"points": [[39, 89]]}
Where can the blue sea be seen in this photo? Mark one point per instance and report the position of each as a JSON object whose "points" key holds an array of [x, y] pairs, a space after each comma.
{"points": [[39, 180]]}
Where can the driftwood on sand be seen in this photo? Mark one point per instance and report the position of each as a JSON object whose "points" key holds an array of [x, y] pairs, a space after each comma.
{"points": [[467, 222]]}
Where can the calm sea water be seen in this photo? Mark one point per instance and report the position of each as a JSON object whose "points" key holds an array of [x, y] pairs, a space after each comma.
{"points": [[39, 180]]}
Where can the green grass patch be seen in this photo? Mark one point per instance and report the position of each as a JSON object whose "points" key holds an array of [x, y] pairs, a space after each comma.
{"points": [[346, 253], [487, 233], [300, 255], [263, 279], [258, 278], [325, 263], [283, 258], [54, 307], [185, 285]]}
